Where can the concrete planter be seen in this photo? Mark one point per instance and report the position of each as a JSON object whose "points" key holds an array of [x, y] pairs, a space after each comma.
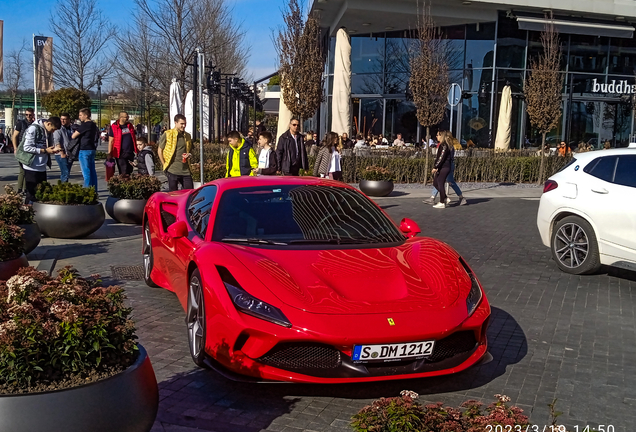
{"points": [[11, 267], [32, 237], [68, 221], [126, 211], [374, 188], [126, 402]]}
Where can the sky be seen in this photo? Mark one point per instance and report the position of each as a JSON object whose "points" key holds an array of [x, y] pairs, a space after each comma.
{"points": [[259, 17]]}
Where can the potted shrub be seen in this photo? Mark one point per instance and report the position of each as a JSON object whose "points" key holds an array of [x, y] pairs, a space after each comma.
{"points": [[128, 196], [12, 256], [14, 211], [67, 210], [68, 358], [376, 181], [211, 171]]}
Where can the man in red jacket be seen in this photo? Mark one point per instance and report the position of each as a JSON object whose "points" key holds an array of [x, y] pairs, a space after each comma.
{"points": [[121, 143]]}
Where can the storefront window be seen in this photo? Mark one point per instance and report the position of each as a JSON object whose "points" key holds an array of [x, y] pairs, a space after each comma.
{"points": [[623, 56], [332, 53], [511, 44], [396, 83], [535, 49], [370, 121], [401, 117], [367, 54], [480, 45], [588, 54], [397, 55], [476, 120], [366, 84], [476, 79]]}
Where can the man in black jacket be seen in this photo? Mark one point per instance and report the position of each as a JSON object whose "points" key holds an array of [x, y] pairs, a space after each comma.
{"points": [[290, 151]]}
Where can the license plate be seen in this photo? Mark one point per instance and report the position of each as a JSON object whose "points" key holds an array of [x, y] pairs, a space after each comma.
{"points": [[392, 352]]}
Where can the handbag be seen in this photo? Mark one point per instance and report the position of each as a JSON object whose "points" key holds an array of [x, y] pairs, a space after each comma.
{"points": [[72, 151]]}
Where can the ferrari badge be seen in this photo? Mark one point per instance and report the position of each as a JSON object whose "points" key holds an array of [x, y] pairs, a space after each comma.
{"points": [[391, 322]]}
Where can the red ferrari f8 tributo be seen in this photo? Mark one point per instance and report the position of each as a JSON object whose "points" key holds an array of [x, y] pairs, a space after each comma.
{"points": [[308, 280]]}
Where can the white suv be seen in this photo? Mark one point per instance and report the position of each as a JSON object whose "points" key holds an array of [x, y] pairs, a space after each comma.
{"points": [[587, 213]]}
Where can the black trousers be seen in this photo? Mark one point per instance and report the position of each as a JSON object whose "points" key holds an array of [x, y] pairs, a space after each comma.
{"points": [[294, 170], [32, 179], [124, 166], [175, 180], [440, 182]]}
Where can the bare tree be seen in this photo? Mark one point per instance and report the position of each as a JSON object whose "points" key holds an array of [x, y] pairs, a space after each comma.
{"points": [[171, 30], [429, 75], [14, 70], [543, 88], [301, 61], [82, 32]]}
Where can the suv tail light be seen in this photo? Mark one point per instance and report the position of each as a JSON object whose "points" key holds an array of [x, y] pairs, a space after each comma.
{"points": [[550, 185]]}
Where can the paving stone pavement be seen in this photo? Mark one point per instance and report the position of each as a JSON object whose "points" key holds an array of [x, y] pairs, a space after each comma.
{"points": [[552, 335]]}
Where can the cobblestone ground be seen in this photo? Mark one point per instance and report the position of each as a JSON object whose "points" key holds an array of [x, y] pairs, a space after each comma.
{"points": [[552, 335]]}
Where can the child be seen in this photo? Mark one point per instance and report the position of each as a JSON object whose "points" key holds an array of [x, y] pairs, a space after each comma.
{"points": [[241, 159], [145, 161], [267, 160]]}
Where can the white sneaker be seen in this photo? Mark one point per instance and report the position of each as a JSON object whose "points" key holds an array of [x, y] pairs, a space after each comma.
{"points": [[448, 200], [440, 205]]}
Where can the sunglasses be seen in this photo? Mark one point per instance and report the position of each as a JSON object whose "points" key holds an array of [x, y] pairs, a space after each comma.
{"points": [[294, 124]]}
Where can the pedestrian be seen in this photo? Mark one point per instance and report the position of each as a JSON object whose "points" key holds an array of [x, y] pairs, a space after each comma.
{"points": [[335, 169], [20, 128], [3, 141], [62, 139], [323, 159], [563, 150], [290, 151], [241, 160], [87, 134], [34, 153], [174, 153], [309, 141], [260, 128], [267, 161], [144, 161], [442, 167], [347, 143], [122, 143], [313, 148], [399, 142], [450, 179]]}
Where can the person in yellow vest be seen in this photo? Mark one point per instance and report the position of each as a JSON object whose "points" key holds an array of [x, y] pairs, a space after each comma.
{"points": [[241, 159], [174, 154]]}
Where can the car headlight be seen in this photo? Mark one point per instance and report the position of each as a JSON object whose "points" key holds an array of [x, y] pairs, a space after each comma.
{"points": [[475, 295], [250, 305]]}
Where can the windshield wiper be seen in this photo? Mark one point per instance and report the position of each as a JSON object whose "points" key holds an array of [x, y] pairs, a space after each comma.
{"points": [[332, 241], [252, 241]]}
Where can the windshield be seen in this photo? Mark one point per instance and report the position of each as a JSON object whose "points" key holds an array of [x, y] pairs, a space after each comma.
{"points": [[293, 214]]}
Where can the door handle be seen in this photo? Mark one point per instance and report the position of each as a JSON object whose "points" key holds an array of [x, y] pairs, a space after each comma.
{"points": [[600, 191]]}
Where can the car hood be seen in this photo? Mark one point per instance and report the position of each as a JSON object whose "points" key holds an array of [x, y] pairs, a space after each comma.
{"points": [[418, 275]]}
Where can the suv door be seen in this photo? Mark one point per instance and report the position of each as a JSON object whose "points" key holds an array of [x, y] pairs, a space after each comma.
{"points": [[611, 205]]}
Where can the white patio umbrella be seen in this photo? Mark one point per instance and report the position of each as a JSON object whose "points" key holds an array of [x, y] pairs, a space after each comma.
{"points": [[502, 141], [189, 112], [176, 101], [341, 102]]}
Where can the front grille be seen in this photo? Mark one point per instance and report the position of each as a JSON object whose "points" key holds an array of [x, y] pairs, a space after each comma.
{"points": [[452, 345], [302, 356]]}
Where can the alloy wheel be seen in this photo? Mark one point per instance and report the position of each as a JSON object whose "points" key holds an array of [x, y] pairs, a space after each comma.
{"points": [[571, 245], [196, 317]]}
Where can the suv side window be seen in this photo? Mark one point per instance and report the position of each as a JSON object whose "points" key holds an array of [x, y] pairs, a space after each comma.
{"points": [[602, 168], [626, 171], [199, 208]]}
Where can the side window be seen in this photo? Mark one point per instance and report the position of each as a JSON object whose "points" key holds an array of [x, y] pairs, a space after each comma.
{"points": [[626, 171], [199, 208], [603, 169]]}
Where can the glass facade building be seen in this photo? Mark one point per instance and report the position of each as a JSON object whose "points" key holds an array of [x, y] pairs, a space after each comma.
{"points": [[598, 90]]}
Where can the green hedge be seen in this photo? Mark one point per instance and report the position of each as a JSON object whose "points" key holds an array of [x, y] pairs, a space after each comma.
{"points": [[483, 166]]}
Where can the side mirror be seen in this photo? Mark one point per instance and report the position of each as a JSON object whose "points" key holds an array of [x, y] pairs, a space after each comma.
{"points": [[409, 227], [178, 230]]}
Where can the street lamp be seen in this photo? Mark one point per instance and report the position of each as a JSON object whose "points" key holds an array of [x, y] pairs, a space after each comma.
{"points": [[143, 100], [99, 98]]}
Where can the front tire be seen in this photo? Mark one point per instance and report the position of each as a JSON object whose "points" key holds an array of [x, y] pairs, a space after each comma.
{"points": [[574, 247], [148, 256], [195, 319]]}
